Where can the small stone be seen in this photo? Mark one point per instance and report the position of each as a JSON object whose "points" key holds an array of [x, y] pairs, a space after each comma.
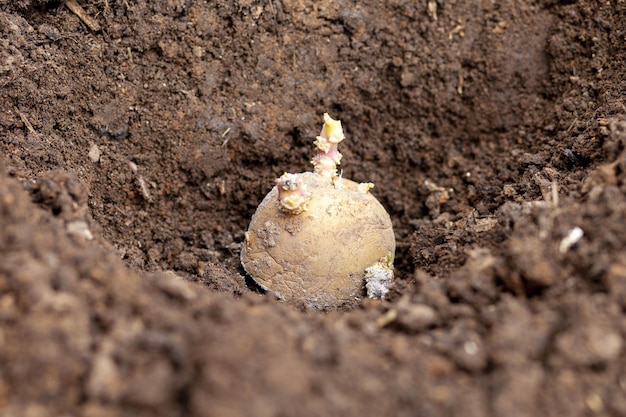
{"points": [[79, 229], [94, 153]]}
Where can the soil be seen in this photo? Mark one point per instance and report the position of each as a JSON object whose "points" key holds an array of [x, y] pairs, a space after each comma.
{"points": [[138, 137]]}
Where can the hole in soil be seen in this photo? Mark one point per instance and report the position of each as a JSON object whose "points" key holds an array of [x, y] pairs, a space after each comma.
{"points": [[251, 283]]}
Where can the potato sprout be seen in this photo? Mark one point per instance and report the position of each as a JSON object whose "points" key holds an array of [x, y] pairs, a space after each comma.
{"points": [[318, 238]]}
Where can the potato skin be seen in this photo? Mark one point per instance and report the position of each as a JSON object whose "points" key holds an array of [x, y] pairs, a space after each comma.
{"points": [[319, 256]]}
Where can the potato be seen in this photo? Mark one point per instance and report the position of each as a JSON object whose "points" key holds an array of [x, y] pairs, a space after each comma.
{"points": [[316, 237]]}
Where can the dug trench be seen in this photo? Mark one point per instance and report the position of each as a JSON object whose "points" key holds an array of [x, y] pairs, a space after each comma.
{"points": [[135, 151]]}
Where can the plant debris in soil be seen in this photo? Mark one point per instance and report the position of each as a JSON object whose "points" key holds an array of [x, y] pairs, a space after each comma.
{"points": [[137, 139]]}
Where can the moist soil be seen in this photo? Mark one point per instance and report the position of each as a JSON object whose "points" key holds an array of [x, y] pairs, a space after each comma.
{"points": [[138, 137]]}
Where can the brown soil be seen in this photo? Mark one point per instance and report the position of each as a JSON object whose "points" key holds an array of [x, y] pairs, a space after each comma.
{"points": [[134, 152]]}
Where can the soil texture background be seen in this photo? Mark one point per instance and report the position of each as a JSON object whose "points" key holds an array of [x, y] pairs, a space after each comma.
{"points": [[137, 138]]}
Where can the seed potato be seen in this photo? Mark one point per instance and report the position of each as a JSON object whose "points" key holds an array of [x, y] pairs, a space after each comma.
{"points": [[315, 234]]}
